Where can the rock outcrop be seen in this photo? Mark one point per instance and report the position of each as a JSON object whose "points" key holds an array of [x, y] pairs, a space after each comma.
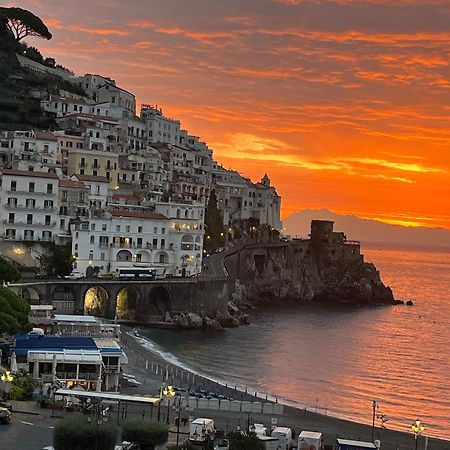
{"points": [[326, 268]]}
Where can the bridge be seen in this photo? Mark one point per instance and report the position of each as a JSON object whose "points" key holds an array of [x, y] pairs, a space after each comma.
{"points": [[140, 301]]}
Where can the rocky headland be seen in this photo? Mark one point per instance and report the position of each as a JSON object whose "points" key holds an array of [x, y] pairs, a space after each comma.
{"points": [[326, 268]]}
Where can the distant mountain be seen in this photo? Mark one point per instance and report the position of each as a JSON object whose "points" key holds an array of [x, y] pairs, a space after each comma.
{"points": [[369, 231]]}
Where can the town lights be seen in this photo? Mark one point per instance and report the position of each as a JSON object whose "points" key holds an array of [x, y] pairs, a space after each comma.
{"points": [[417, 429], [7, 377]]}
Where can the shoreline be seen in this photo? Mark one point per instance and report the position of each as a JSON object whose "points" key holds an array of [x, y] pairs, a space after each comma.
{"points": [[154, 370]]}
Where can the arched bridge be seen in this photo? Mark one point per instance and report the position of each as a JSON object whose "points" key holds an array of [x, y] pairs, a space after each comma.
{"points": [[143, 301]]}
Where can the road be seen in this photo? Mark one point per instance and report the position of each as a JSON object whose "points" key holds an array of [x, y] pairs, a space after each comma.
{"points": [[27, 432]]}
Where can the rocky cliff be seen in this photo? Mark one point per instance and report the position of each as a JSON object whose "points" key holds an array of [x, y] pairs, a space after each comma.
{"points": [[326, 269]]}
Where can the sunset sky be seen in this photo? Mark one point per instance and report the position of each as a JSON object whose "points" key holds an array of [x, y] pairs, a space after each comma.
{"points": [[345, 103]]}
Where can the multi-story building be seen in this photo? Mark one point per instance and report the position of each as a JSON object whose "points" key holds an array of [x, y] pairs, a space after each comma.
{"points": [[159, 127], [239, 199], [28, 207]]}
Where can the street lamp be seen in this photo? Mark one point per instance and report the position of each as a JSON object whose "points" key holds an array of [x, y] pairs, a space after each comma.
{"points": [[168, 392], [7, 378], [417, 429]]}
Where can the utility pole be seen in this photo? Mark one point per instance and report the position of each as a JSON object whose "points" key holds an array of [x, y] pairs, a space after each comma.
{"points": [[374, 409]]}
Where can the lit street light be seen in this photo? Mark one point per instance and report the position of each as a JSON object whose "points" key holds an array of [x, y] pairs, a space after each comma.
{"points": [[417, 429], [7, 378], [168, 392]]}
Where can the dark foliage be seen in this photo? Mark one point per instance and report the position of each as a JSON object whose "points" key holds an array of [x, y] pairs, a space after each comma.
{"points": [[75, 433], [13, 312], [147, 434], [214, 235]]}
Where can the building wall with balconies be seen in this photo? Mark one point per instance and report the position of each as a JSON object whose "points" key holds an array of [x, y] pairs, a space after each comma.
{"points": [[29, 205]]}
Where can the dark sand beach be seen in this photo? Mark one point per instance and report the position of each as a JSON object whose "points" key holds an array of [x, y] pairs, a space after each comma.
{"points": [[152, 371]]}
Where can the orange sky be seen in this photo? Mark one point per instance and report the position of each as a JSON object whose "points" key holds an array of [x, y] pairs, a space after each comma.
{"points": [[345, 103]]}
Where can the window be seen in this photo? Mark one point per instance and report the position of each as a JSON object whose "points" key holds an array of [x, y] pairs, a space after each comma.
{"points": [[155, 230], [155, 243], [103, 226], [103, 241], [163, 230], [29, 235], [82, 162], [162, 258], [117, 227], [163, 243], [76, 246], [92, 240], [91, 255], [94, 173], [127, 228], [48, 204], [11, 218], [12, 201], [64, 196], [13, 186], [92, 226], [47, 219], [31, 187], [49, 188], [10, 233], [81, 171], [62, 224], [46, 235], [30, 203], [139, 243], [140, 229], [29, 219], [102, 256]]}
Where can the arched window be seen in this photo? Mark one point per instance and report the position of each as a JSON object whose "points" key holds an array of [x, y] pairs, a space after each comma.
{"points": [[91, 255], [92, 240]]}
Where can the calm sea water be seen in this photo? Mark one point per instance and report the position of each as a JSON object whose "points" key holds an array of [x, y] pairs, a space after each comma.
{"points": [[336, 361]]}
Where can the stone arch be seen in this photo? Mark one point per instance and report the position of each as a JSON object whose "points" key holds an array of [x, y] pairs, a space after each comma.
{"points": [[187, 242], [143, 256], [161, 258], [124, 255], [63, 299], [127, 301], [30, 294], [95, 301], [156, 304]]}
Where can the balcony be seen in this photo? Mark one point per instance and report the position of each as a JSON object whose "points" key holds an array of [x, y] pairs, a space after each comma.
{"points": [[95, 166], [29, 207], [81, 376]]}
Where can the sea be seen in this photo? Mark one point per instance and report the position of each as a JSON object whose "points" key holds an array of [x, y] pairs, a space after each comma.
{"points": [[337, 361]]}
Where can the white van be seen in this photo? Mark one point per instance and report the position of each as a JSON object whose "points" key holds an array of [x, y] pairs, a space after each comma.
{"points": [[200, 428], [310, 440], [284, 435]]}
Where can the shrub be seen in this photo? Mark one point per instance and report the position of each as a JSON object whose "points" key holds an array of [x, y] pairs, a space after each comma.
{"points": [[75, 433], [147, 434], [186, 445], [244, 441]]}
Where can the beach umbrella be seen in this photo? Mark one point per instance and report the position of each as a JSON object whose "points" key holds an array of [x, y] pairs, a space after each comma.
{"points": [[54, 364], [14, 368]]}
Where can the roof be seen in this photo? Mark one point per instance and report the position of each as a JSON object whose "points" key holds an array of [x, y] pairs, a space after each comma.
{"points": [[25, 342], [109, 396], [356, 443], [310, 434], [68, 100], [70, 184], [137, 214], [75, 318], [45, 135], [95, 178], [29, 173]]}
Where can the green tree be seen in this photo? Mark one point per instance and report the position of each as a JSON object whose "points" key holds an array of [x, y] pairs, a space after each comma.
{"points": [[22, 23], [214, 233], [14, 312], [147, 434], [22, 387], [9, 271], [244, 441], [75, 433]]}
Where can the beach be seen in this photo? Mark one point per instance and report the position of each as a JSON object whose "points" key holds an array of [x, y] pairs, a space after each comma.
{"points": [[152, 371]]}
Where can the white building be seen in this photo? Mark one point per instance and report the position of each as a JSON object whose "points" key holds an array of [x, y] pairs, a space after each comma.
{"points": [[240, 199], [159, 127], [28, 205]]}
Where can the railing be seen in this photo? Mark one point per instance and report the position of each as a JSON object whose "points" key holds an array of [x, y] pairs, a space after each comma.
{"points": [[352, 242], [73, 376]]}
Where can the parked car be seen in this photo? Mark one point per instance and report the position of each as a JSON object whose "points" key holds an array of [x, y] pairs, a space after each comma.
{"points": [[7, 405], [5, 415], [75, 275], [108, 276]]}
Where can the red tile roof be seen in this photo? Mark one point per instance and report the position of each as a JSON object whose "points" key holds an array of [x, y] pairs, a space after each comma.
{"points": [[72, 184], [97, 179], [29, 173]]}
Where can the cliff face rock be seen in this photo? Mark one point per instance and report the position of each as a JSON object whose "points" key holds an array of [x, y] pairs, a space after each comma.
{"points": [[326, 268]]}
